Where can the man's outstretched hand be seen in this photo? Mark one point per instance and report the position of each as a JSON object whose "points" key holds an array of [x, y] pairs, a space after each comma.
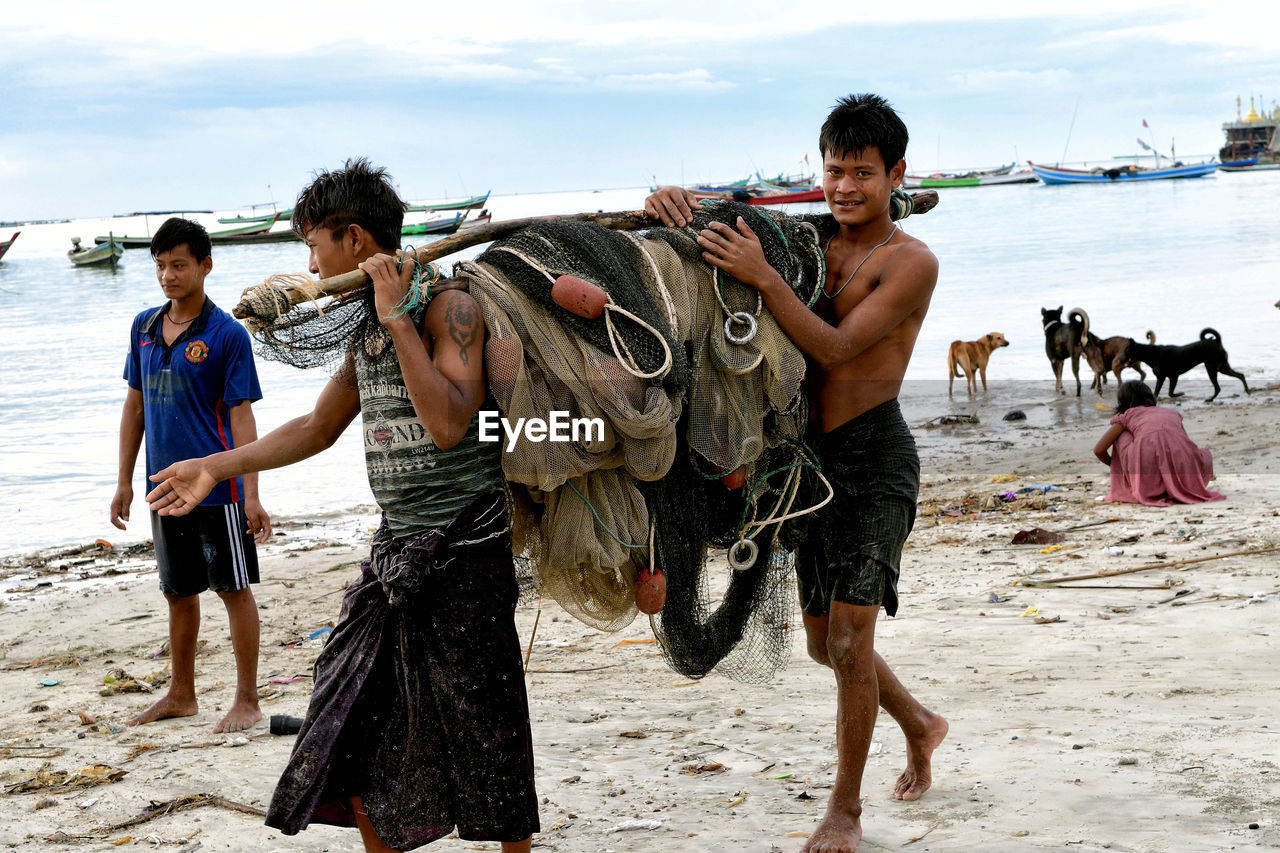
{"points": [[182, 486], [674, 206]]}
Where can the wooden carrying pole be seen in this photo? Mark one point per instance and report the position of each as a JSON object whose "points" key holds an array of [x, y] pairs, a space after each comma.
{"points": [[626, 220]]}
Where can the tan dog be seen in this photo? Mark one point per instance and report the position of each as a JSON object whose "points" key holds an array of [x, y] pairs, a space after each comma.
{"points": [[971, 357]]}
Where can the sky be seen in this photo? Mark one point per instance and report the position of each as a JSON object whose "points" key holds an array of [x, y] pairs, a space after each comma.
{"points": [[167, 106]]}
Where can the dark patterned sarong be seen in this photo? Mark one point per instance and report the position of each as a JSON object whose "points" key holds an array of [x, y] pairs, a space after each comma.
{"points": [[853, 546], [419, 705]]}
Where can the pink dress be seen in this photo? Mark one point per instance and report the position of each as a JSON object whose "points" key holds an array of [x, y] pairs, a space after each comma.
{"points": [[1155, 462]]}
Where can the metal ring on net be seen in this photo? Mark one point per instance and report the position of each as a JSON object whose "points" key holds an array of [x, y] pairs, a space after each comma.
{"points": [[752, 549], [745, 319]]}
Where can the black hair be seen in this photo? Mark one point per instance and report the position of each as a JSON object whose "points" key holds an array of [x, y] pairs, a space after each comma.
{"points": [[1132, 394], [175, 232], [356, 194], [858, 122]]}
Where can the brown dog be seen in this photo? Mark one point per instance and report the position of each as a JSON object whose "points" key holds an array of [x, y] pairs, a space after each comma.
{"points": [[1111, 354], [971, 357]]}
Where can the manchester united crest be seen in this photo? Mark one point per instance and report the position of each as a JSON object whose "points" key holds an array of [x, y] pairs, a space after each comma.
{"points": [[197, 351]]}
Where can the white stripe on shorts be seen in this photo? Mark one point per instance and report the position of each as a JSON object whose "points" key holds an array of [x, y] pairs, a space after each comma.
{"points": [[239, 571]]}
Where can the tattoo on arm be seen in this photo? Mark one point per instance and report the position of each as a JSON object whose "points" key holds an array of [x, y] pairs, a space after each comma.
{"points": [[461, 318]]}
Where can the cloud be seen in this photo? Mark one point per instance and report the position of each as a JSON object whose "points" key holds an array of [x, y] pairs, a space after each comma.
{"points": [[696, 80], [1012, 81]]}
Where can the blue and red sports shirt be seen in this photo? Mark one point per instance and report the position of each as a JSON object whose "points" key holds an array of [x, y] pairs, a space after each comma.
{"points": [[189, 388]]}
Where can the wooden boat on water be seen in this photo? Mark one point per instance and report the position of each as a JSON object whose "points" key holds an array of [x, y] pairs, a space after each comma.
{"points": [[484, 217], [473, 203], [1253, 142], [239, 219], [283, 236], [797, 196], [253, 232], [441, 225], [5, 244], [101, 254], [1253, 164], [973, 178], [1120, 174], [762, 193]]}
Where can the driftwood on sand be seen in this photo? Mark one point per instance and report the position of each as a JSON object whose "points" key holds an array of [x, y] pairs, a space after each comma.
{"points": [[1169, 565]]}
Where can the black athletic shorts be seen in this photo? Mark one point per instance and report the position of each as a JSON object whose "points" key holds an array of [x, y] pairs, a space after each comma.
{"points": [[211, 548], [853, 547]]}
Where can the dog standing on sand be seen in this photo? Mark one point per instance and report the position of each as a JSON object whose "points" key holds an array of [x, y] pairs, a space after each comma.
{"points": [[1111, 354], [1170, 362], [971, 357], [1064, 341]]}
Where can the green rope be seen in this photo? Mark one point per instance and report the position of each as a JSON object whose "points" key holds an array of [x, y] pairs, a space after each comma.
{"points": [[599, 520], [418, 296]]}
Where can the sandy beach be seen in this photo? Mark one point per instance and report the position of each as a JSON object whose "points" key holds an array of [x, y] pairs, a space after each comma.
{"points": [[1125, 713]]}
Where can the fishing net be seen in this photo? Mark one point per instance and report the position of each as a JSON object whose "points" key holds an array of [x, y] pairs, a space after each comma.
{"points": [[692, 380]]}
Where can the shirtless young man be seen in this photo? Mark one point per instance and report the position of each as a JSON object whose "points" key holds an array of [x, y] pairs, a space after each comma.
{"points": [[858, 339]]}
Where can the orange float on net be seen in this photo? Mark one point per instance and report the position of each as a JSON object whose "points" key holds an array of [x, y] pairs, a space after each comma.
{"points": [[651, 591], [579, 297]]}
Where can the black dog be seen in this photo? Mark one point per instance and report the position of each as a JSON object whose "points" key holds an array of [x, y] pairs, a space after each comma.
{"points": [[1065, 340], [1170, 362]]}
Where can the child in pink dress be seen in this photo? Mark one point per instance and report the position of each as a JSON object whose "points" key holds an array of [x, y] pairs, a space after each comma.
{"points": [[1155, 462]]}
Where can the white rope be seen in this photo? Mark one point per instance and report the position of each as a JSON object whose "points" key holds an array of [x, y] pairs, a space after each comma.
{"points": [[620, 350], [662, 287], [787, 515]]}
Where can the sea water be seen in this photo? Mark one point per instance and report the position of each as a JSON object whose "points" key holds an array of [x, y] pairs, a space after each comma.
{"points": [[1170, 256]]}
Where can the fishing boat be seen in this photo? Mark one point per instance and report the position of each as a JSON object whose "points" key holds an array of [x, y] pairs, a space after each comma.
{"points": [[252, 232], [475, 202], [972, 178], [239, 219], [1120, 174], [797, 196], [285, 235], [124, 242], [441, 225], [761, 193], [5, 244], [1253, 142], [484, 217], [101, 254]]}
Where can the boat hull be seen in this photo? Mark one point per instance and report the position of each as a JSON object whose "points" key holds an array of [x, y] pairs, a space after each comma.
{"points": [[920, 182], [468, 204], [435, 226], [103, 254], [793, 197], [283, 216], [5, 244], [1055, 175], [1253, 164]]}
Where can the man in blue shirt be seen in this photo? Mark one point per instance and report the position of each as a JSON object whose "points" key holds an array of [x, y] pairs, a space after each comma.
{"points": [[191, 385]]}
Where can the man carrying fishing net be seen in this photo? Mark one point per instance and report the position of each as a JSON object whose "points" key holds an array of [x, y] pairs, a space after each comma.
{"points": [[419, 721], [858, 339]]}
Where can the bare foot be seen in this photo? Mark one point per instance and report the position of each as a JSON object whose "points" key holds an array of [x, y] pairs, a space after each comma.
{"points": [[243, 715], [839, 832], [165, 708], [917, 778]]}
